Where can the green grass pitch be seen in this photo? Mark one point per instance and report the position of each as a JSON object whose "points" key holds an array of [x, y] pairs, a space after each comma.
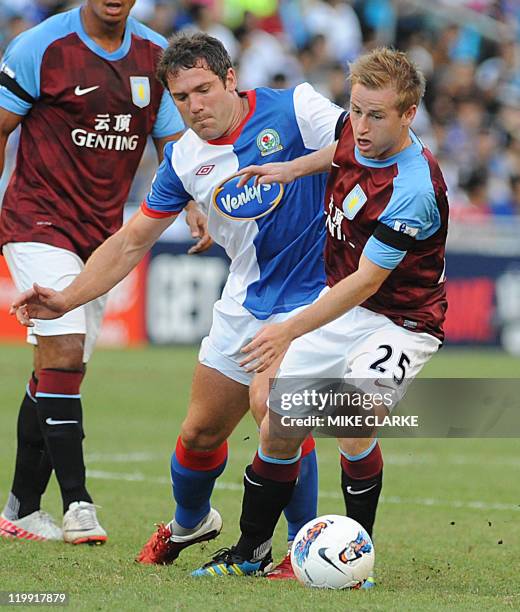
{"points": [[447, 534]]}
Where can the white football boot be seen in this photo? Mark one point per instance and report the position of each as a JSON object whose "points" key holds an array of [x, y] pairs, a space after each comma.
{"points": [[37, 526], [81, 526]]}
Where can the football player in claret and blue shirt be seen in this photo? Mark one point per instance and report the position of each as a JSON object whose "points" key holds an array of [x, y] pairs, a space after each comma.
{"points": [[274, 236], [382, 314], [82, 87]]}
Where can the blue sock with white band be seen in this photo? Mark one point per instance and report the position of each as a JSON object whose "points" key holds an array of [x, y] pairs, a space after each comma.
{"points": [[303, 506]]}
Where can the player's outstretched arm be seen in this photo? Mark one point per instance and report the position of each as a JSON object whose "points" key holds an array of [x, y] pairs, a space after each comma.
{"points": [[273, 340], [41, 302], [108, 265], [286, 172]]}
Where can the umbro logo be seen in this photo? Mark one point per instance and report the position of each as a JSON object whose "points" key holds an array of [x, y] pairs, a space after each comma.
{"points": [[79, 91], [204, 170]]}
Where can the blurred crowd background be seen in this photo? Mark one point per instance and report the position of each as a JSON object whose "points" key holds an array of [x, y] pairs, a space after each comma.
{"points": [[469, 51]]}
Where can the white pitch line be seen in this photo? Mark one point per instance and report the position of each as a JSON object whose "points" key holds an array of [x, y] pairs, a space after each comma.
{"points": [[393, 499], [133, 477], [396, 459], [137, 457]]}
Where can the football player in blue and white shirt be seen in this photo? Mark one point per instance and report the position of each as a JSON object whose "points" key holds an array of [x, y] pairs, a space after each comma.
{"points": [[274, 236]]}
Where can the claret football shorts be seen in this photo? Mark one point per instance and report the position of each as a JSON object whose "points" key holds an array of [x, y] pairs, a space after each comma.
{"points": [[50, 266]]}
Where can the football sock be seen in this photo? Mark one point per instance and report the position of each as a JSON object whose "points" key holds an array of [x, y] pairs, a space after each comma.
{"points": [[361, 482], [44, 472], [61, 418], [303, 506], [268, 487], [193, 477], [32, 468]]}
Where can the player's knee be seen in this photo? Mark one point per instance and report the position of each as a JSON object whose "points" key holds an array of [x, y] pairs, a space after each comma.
{"points": [[61, 352], [199, 437], [280, 448], [355, 446], [273, 445]]}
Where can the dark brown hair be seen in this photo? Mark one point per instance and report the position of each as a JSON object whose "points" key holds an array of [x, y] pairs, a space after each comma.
{"points": [[186, 51]]}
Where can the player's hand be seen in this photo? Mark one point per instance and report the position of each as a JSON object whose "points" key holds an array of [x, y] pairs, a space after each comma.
{"points": [[198, 223], [271, 342], [38, 303], [277, 172]]}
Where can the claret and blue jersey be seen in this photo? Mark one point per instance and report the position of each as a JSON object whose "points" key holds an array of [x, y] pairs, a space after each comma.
{"points": [[412, 207], [86, 115], [395, 212], [30, 60], [274, 235]]}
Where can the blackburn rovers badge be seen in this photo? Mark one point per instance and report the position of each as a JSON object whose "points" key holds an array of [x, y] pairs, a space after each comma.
{"points": [[268, 141]]}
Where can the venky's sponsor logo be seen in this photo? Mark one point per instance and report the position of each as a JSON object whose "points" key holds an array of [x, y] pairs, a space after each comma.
{"points": [[248, 202]]}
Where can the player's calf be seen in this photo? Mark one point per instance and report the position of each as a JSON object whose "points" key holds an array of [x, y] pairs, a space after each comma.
{"points": [[361, 483], [193, 476], [32, 468], [268, 486]]}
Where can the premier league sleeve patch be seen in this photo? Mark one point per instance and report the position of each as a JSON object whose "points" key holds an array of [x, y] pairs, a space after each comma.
{"points": [[140, 87], [404, 228]]}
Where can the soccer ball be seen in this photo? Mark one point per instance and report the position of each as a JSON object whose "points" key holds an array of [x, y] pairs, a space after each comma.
{"points": [[332, 552]]}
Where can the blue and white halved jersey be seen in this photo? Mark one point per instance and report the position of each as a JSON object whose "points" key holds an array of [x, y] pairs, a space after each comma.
{"points": [[273, 234]]}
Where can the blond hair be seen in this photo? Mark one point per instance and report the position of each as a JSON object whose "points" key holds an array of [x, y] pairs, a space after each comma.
{"points": [[383, 68]]}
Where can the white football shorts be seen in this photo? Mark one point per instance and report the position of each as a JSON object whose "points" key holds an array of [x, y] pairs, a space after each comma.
{"points": [[232, 328], [362, 346], [50, 266]]}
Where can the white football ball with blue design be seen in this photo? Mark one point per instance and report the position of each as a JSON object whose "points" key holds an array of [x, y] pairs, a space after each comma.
{"points": [[332, 552]]}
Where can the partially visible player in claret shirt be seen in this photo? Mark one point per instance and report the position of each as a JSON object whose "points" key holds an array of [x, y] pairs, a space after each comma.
{"points": [[82, 87]]}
